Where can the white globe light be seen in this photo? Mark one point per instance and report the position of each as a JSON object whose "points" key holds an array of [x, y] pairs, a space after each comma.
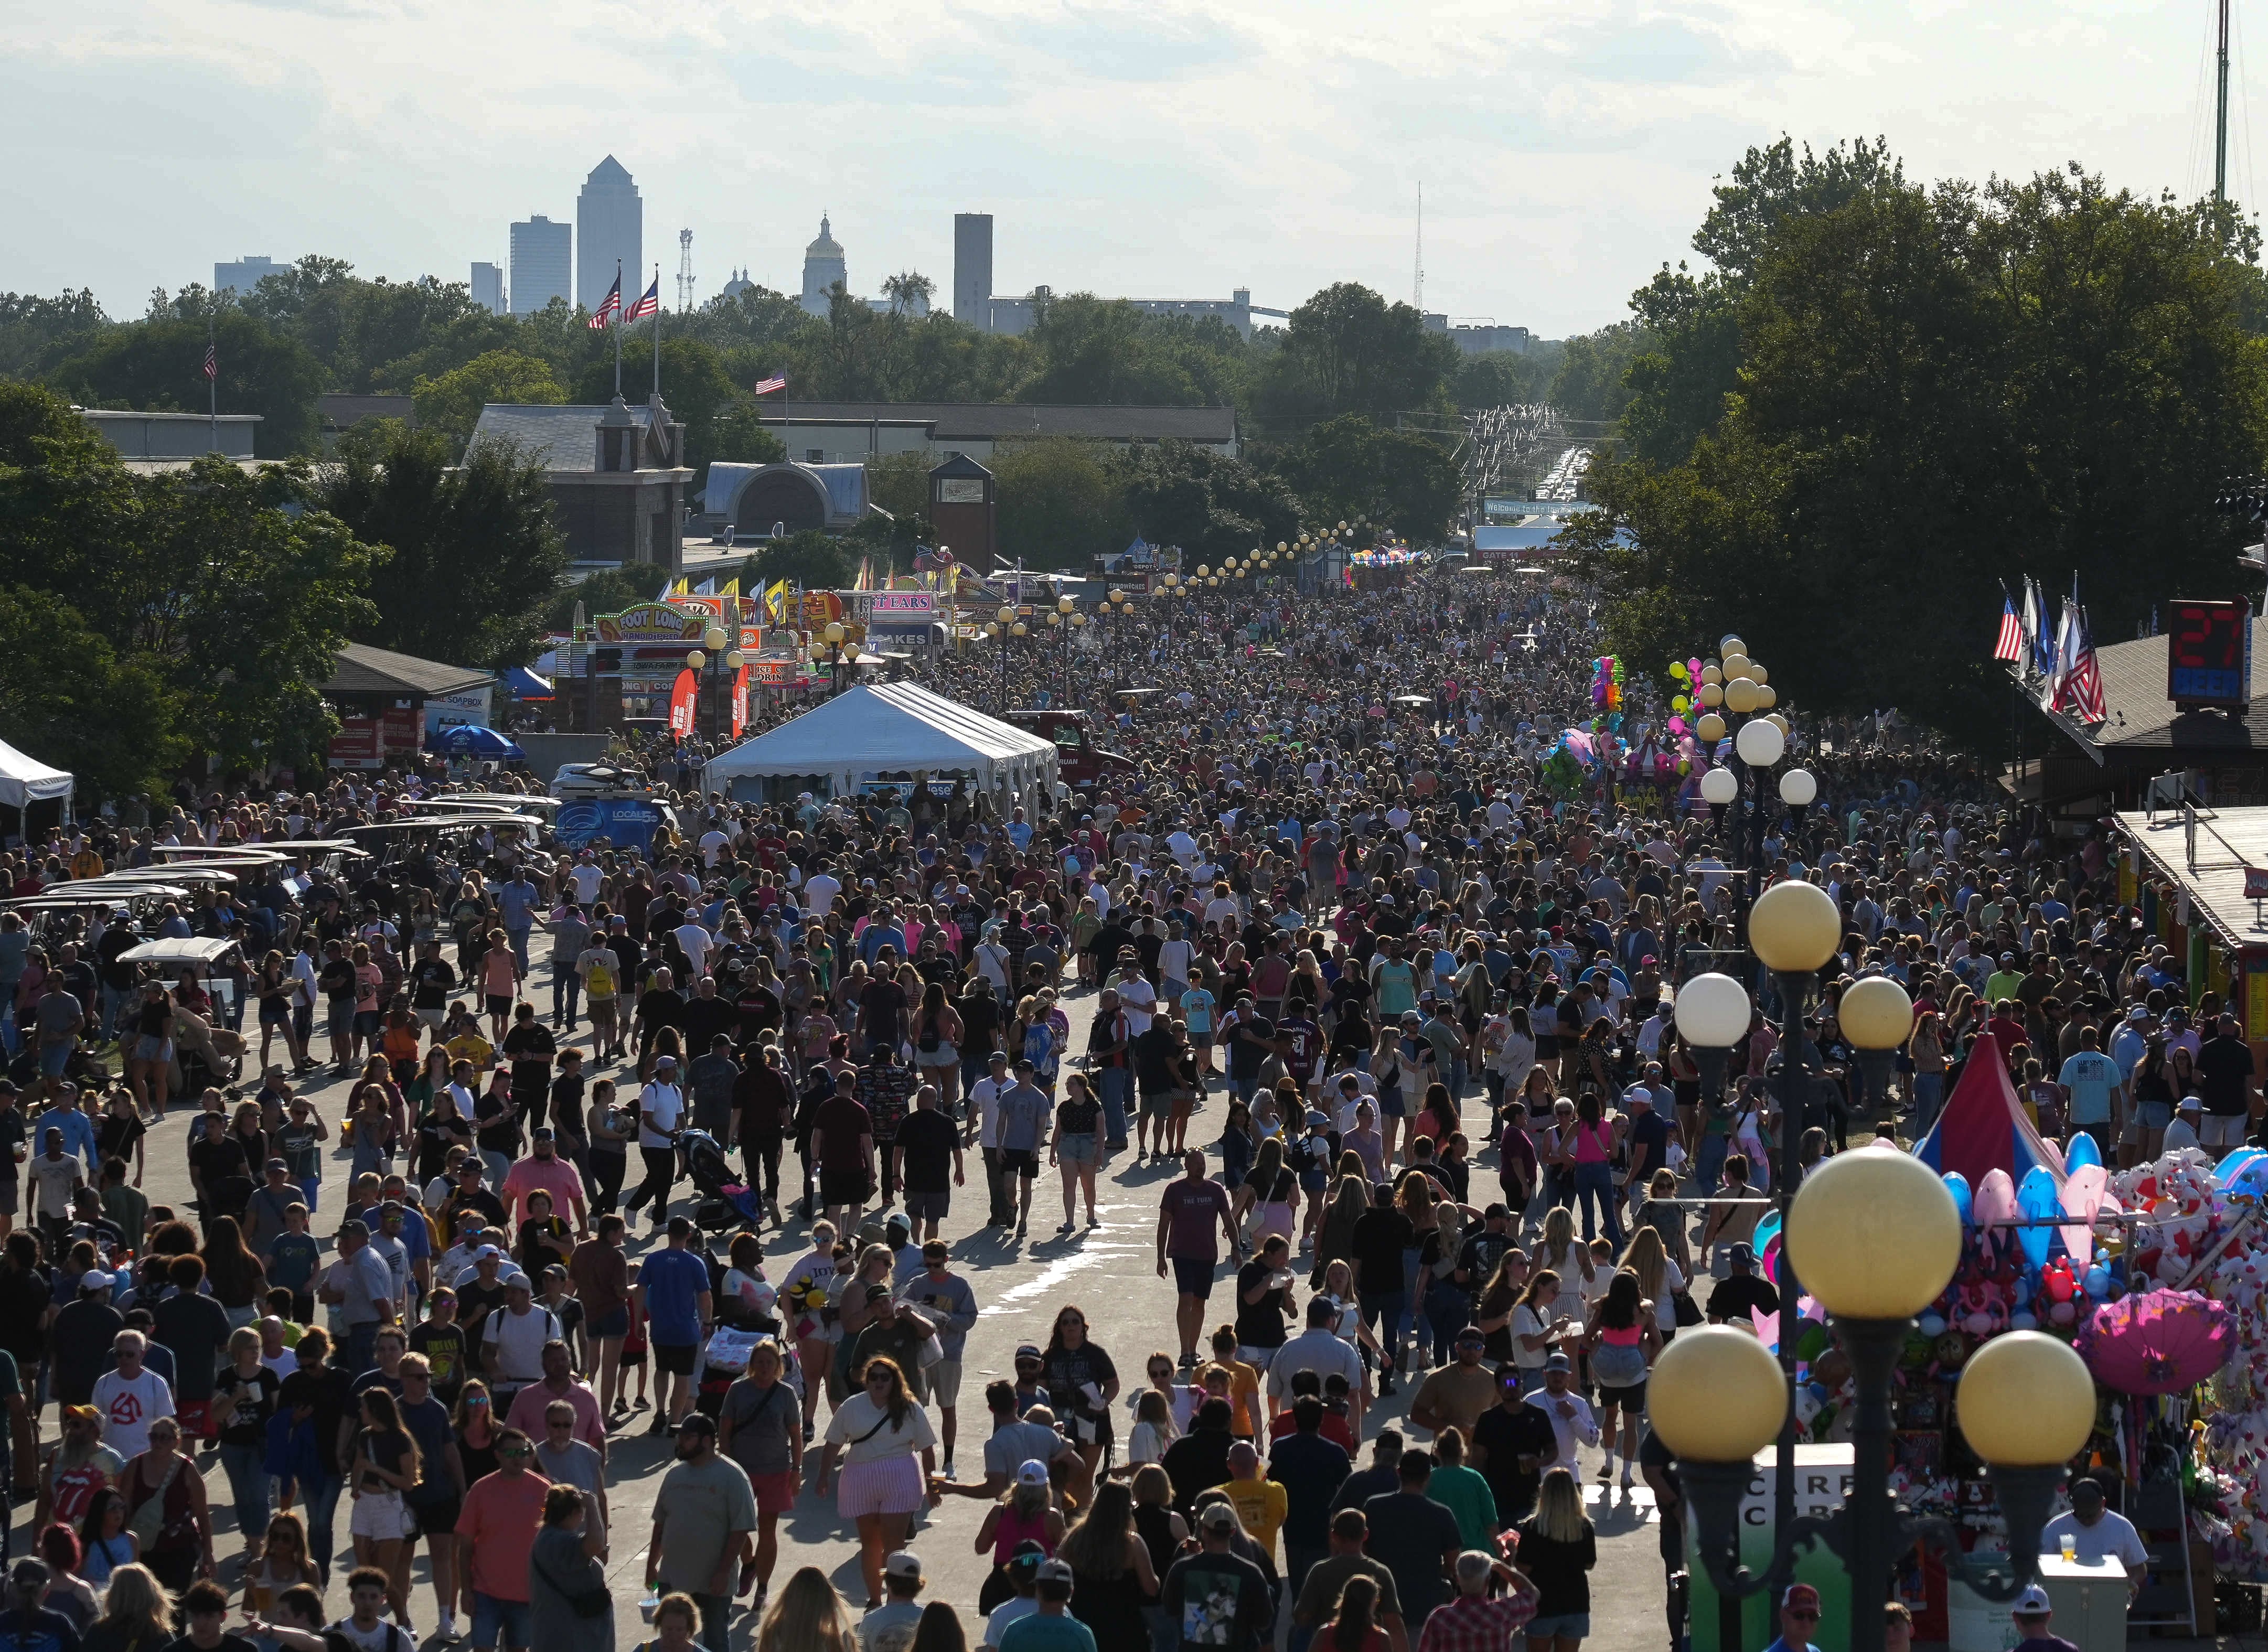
{"points": [[1719, 787], [1712, 1012], [1759, 744], [1798, 788]]}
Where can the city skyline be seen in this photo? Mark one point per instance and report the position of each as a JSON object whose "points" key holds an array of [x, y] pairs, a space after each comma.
{"points": [[1166, 153]]}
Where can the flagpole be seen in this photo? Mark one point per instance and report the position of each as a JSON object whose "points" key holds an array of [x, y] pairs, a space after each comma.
{"points": [[657, 332], [212, 382], [617, 319]]}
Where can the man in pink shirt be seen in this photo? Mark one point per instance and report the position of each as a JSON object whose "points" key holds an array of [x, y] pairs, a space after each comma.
{"points": [[544, 1171], [497, 1529], [559, 1383]]}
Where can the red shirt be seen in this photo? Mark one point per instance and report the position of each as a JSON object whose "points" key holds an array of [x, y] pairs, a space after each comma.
{"points": [[497, 1526]]}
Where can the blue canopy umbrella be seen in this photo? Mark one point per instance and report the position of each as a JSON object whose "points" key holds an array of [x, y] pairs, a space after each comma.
{"points": [[525, 684], [470, 739]]}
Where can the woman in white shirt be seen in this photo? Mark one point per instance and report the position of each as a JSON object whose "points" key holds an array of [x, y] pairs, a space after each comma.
{"points": [[888, 1452]]}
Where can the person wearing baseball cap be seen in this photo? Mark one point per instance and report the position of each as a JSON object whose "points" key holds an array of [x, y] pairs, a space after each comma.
{"points": [[1798, 1619], [661, 1111], [1217, 1584], [2032, 1613], [894, 1622]]}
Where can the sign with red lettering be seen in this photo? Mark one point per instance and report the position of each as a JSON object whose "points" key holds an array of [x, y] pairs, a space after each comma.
{"points": [[2256, 883]]}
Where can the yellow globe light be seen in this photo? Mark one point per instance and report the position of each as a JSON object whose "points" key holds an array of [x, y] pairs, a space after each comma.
{"points": [[1203, 572], [734, 660], [1792, 926], [1281, 547], [1006, 616], [1712, 694], [1730, 644], [1077, 619], [1740, 694], [1717, 1395], [695, 660], [1767, 696], [1876, 1014], [1778, 722], [850, 652], [713, 639], [1711, 728], [1064, 604], [1019, 628], [1758, 673], [992, 628], [1055, 618], [1342, 527], [2025, 1400], [1710, 673], [1874, 1234], [834, 632], [1116, 595], [1735, 665]]}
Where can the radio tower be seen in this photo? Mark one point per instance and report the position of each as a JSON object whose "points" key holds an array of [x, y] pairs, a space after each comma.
{"points": [[684, 271], [1417, 285]]}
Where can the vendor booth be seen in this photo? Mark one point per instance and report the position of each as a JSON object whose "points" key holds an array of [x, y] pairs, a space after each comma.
{"points": [[35, 794], [895, 735]]}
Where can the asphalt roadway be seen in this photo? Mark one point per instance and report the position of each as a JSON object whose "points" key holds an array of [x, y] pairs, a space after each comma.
{"points": [[1109, 1271]]}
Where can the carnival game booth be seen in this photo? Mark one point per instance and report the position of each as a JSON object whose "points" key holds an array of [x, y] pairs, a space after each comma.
{"points": [[2158, 1276], [893, 735]]}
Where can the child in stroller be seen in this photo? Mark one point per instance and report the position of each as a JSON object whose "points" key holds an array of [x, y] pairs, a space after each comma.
{"points": [[726, 1201]]}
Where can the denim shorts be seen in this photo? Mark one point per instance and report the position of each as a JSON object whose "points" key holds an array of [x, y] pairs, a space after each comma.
{"points": [[1576, 1625], [505, 1622], [509, 1619]]}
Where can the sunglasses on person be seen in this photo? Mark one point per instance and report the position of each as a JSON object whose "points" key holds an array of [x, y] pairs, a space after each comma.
{"points": [[477, 1402]]}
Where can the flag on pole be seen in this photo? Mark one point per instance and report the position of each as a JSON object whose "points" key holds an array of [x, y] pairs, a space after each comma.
{"points": [[2010, 644], [611, 307], [648, 303], [769, 386], [212, 361], [2082, 690], [732, 587], [2036, 630]]}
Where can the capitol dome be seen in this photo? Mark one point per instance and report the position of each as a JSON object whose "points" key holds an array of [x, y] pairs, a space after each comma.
{"points": [[825, 247]]}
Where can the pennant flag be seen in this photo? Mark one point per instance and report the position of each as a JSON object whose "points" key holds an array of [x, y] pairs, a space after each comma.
{"points": [[775, 602], [2010, 644], [682, 696], [611, 307], [2082, 688], [682, 588], [732, 587], [706, 588], [2035, 628], [648, 303], [769, 386]]}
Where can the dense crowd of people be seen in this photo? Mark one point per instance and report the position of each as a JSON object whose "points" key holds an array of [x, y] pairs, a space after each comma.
{"points": [[1439, 1176]]}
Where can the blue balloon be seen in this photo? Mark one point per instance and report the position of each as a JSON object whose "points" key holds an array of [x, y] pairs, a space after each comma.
{"points": [[1957, 1185], [2081, 1153], [2036, 1197], [2234, 1163], [2097, 1281]]}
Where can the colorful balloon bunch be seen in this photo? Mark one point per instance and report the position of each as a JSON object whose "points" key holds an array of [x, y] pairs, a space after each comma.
{"points": [[1687, 671], [1607, 682]]}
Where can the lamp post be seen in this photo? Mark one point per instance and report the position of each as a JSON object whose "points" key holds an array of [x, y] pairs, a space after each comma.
{"points": [[835, 650], [1874, 1237], [1065, 620]]}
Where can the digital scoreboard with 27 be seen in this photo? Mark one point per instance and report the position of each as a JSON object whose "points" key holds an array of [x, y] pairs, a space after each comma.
{"points": [[2209, 653]]}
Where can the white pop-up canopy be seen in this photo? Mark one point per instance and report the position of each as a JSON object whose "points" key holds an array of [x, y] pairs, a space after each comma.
{"points": [[894, 728], [25, 780]]}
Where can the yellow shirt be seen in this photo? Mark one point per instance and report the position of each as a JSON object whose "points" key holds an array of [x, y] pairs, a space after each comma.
{"points": [[1261, 1504], [471, 1046], [1244, 1395]]}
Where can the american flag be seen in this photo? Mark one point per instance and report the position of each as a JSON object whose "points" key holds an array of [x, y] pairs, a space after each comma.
{"points": [[648, 304], [766, 386], [2082, 688], [212, 361], [2010, 644], [612, 307]]}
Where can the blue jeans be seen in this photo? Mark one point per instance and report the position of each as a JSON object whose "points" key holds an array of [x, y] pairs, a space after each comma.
{"points": [[519, 938], [1413, 1300], [1447, 1312], [249, 1485], [1385, 1307], [322, 1498], [566, 992], [499, 1622], [1596, 1183], [1928, 1097], [1110, 1090], [1709, 1160], [361, 1350]]}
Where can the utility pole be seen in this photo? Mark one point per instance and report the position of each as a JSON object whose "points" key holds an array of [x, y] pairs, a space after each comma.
{"points": [[2221, 113], [684, 270]]}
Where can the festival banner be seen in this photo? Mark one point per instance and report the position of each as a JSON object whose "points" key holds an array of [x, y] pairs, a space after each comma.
{"points": [[739, 700], [683, 698]]}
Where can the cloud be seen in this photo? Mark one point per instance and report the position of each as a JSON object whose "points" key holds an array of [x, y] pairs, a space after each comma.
{"points": [[1172, 148]]}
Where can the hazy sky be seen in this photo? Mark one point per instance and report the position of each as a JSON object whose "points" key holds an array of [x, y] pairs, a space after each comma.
{"points": [[1160, 149]]}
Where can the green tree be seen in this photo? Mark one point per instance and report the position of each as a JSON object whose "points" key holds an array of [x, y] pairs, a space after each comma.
{"points": [[474, 553], [601, 590], [699, 391], [809, 558], [1589, 383], [1062, 503], [67, 698], [1348, 468], [1211, 506], [1348, 350], [1502, 379], [451, 404], [157, 365], [33, 329], [1941, 390]]}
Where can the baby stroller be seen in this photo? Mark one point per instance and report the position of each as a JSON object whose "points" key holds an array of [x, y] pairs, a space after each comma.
{"points": [[725, 1202]]}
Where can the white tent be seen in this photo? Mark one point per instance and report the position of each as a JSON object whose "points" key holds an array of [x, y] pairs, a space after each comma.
{"points": [[894, 728], [25, 780]]}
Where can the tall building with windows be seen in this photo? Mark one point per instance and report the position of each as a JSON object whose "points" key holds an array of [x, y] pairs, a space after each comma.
{"points": [[543, 263], [610, 235], [488, 288], [822, 267], [244, 273], [972, 269]]}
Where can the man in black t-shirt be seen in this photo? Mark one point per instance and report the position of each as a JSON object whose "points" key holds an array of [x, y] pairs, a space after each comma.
{"points": [[431, 980], [1512, 1442], [927, 1142], [2225, 1070], [531, 1049], [1735, 1297]]}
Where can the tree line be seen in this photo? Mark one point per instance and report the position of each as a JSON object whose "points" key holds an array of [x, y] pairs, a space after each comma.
{"points": [[1877, 401]]}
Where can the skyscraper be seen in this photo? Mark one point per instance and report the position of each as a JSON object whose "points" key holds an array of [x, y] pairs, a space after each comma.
{"points": [[243, 274], [543, 259], [972, 269], [488, 288], [822, 267], [610, 225]]}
